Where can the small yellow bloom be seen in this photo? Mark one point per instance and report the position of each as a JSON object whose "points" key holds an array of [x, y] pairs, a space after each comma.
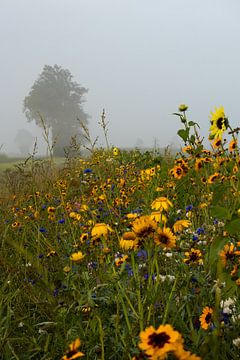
{"points": [[161, 203], [180, 225], [183, 107], [73, 352], [100, 229], [159, 217], [128, 240], [66, 269], [115, 151], [77, 256]]}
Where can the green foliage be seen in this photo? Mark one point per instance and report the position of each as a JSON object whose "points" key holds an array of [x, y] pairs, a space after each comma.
{"points": [[113, 293]]}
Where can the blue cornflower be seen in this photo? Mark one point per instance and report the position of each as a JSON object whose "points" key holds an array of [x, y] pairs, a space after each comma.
{"points": [[189, 208], [200, 231], [61, 221], [87, 171], [142, 254]]}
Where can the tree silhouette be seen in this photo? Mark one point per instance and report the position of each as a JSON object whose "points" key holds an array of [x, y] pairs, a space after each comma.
{"points": [[56, 100]]}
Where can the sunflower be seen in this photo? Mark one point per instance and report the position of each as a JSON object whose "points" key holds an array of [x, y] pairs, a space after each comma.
{"points": [[177, 172], [187, 149], [73, 353], [219, 123], [233, 145], [144, 226], [128, 240], [206, 318], [216, 143], [213, 177], [198, 164], [157, 343], [193, 256], [227, 254], [120, 260], [16, 224], [51, 209], [161, 203], [100, 229], [165, 238], [180, 225]]}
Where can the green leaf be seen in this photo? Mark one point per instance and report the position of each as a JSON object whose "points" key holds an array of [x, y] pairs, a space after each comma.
{"points": [[215, 248], [192, 123], [233, 227], [220, 212], [192, 139], [183, 134]]}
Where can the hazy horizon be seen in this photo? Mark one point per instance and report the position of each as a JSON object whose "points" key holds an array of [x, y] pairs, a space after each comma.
{"points": [[138, 59]]}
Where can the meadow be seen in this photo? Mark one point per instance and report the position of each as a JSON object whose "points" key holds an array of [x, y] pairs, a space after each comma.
{"points": [[124, 254]]}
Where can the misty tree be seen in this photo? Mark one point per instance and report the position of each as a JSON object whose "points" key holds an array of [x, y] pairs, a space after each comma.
{"points": [[57, 100], [24, 141]]}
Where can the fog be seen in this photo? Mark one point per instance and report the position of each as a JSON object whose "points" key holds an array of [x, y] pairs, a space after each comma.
{"points": [[139, 59]]}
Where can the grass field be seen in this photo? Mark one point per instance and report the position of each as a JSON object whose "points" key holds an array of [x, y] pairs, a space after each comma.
{"points": [[124, 254]]}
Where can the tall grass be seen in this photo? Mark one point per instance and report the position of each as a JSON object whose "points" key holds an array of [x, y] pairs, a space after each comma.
{"points": [[109, 248]]}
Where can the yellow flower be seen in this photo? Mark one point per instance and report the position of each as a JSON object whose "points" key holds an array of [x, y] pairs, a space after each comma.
{"points": [[144, 226], [16, 224], [132, 215], [128, 240], [187, 149], [219, 123], [193, 256], [161, 203], [227, 254], [115, 151], [120, 260], [213, 177], [100, 229], [66, 269], [51, 209], [157, 343], [180, 225], [216, 142], [158, 216], [232, 145], [165, 238], [77, 256], [72, 353], [182, 107], [206, 318], [181, 354], [177, 172]]}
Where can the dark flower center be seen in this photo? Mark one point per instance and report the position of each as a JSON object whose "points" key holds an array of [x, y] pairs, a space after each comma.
{"points": [[145, 231], [230, 256], [193, 256], [208, 318], [221, 122], [70, 354], [179, 171], [158, 340], [163, 238]]}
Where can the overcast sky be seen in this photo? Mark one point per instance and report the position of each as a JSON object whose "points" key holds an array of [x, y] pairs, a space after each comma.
{"points": [[139, 60]]}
